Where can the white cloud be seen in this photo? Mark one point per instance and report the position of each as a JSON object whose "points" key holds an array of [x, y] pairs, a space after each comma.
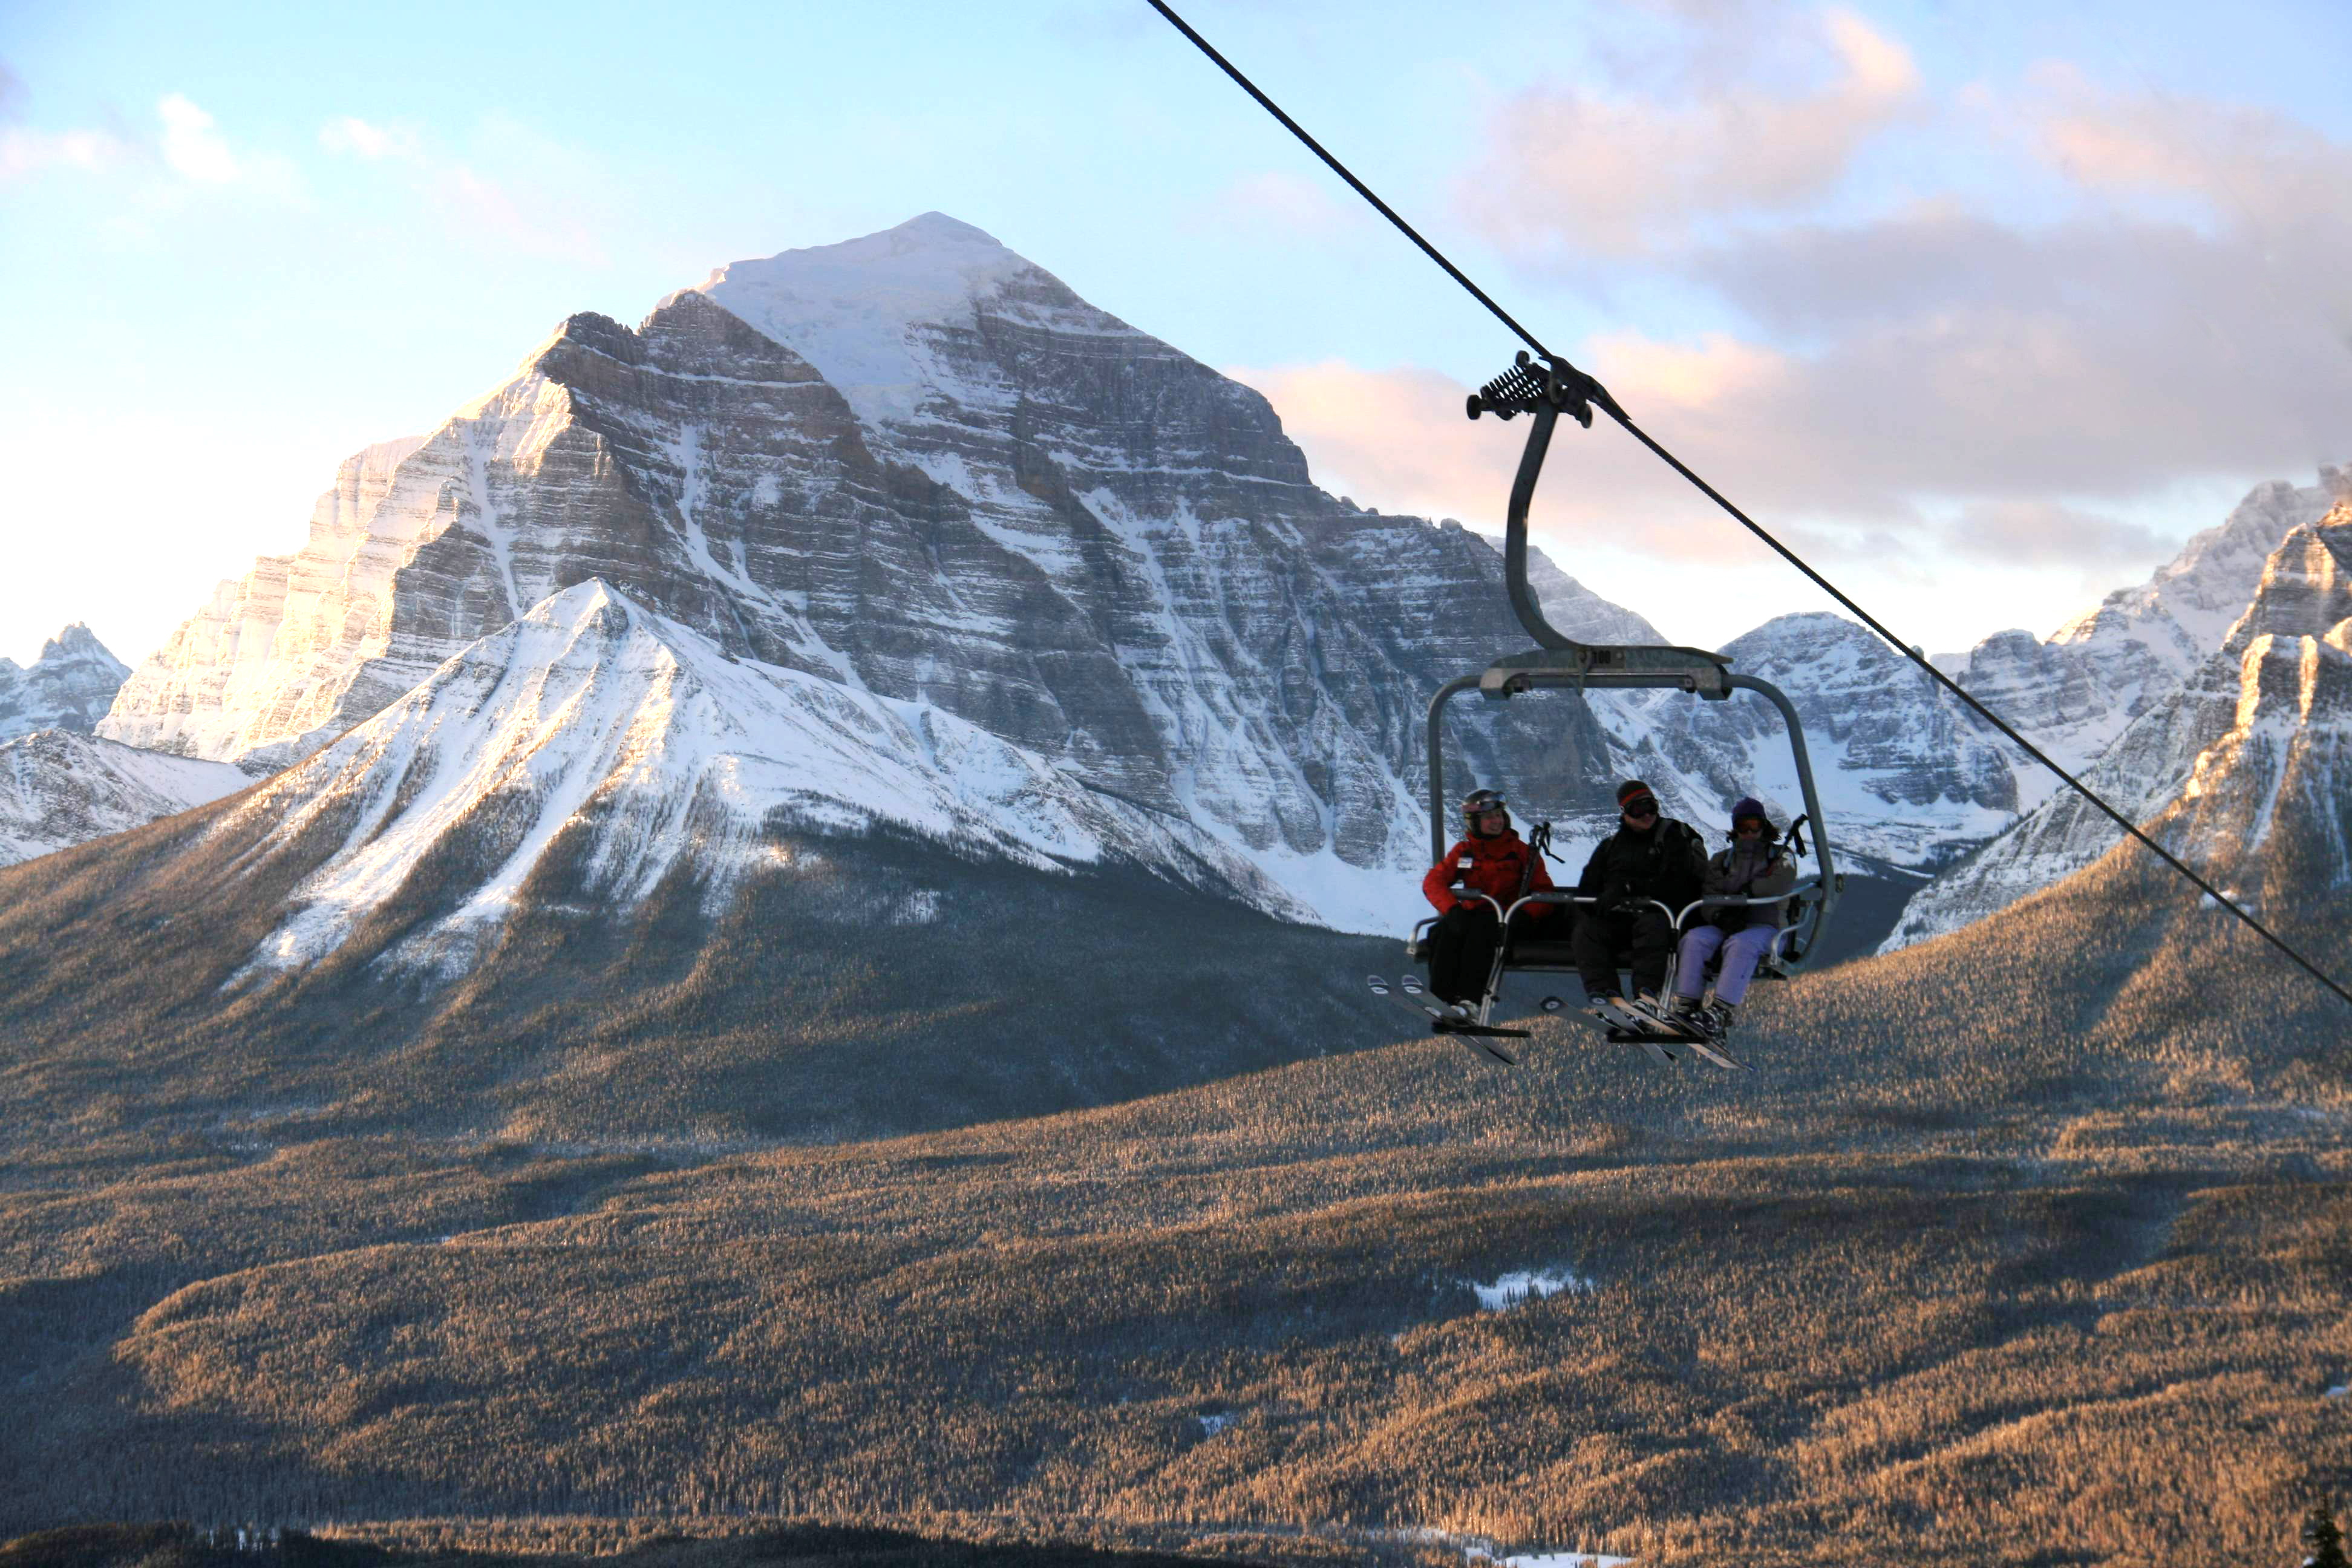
{"points": [[192, 147], [193, 143], [189, 144], [349, 133], [1568, 172]]}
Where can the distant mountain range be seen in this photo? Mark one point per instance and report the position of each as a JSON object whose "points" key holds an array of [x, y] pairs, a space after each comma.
{"points": [[59, 786], [916, 468]]}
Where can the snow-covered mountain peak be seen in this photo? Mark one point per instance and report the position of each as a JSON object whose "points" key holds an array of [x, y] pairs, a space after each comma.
{"points": [[78, 642], [2285, 761], [2077, 692], [859, 310], [68, 687], [2306, 587], [2229, 732], [1901, 770]]}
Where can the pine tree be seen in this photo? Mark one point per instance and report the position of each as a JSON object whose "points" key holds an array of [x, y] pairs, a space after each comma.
{"points": [[2322, 1539]]}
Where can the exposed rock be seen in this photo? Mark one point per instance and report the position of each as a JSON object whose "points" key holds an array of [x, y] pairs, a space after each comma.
{"points": [[2075, 693], [68, 688], [1901, 768]]}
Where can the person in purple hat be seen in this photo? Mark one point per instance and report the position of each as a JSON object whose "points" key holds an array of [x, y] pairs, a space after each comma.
{"points": [[1752, 867], [1650, 861]]}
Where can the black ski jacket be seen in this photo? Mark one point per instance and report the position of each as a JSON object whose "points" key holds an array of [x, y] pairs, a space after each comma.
{"points": [[1664, 864]]}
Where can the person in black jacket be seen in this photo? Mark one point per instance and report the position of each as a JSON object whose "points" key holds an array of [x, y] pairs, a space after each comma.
{"points": [[1650, 860]]}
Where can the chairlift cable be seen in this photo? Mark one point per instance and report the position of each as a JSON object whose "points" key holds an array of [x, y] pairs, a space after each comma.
{"points": [[1358, 185], [1600, 399]]}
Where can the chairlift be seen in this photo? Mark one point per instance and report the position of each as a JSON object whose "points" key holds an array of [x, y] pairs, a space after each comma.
{"points": [[1560, 662]]}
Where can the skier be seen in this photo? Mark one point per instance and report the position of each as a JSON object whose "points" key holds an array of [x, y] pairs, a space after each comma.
{"points": [[1494, 860], [1752, 867], [1650, 860]]}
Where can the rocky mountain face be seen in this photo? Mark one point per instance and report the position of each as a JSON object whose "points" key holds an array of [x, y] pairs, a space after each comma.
{"points": [[70, 687], [2302, 597], [58, 788], [918, 466]]}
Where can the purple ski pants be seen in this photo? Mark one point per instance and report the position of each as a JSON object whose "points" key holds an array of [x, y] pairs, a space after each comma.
{"points": [[1742, 949]]}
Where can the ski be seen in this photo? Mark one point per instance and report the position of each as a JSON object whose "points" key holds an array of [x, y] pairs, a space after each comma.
{"points": [[1449, 1017], [1619, 1032], [1688, 1030], [1713, 1051]]}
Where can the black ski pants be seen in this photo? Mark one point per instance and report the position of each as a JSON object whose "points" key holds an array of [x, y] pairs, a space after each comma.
{"points": [[1602, 934], [1461, 951]]}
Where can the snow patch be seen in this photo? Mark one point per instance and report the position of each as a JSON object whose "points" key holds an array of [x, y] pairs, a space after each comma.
{"points": [[919, 908], [1529, 1285]]}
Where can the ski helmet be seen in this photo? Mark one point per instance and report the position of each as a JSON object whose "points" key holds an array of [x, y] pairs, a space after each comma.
{"points": [[1482, 800]]}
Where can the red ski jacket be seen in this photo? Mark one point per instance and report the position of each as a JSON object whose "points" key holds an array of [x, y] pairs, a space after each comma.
{"points": [[1490, 866]]}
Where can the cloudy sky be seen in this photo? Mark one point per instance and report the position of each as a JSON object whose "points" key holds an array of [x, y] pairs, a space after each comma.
{"points": [[1987, 307]]}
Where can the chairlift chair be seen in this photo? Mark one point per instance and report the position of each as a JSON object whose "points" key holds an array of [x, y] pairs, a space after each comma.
{"points": [[1560, 662]]}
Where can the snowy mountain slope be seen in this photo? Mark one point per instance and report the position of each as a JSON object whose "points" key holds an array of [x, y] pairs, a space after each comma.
{"points": [[2303, 594], [918, 465], [656, 754], [68, 687], [2284, 764], [1907, 775], [58, 788]]}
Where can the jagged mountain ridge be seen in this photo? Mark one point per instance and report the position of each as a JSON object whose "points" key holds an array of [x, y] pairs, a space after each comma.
{"points": [[2303, 596], [1904, 771], [70, 687], [2077, 690], [60, 788]]}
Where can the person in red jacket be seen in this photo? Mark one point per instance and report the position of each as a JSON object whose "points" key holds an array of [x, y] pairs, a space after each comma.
{"points": [[1492, 861]]}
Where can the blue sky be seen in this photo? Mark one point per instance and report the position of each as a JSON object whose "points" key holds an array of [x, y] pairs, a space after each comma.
{"points": [[1989, 307]]}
